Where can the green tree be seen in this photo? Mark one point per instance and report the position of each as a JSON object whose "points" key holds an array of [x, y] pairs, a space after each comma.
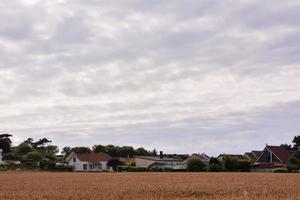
{"points": [[5, 142], [230, 165], [141, 152], [66, 151], [196, 165], [214, 165], [81, 150], [296, 142], [34, 156], [23, 149], [99, 148], [243, 165]]}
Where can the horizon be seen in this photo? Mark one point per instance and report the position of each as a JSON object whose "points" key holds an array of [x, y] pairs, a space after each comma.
{"points": [[204, 76]]}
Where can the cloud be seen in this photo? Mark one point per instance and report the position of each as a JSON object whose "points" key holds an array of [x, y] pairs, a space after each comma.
{"points": [[182, 77]]}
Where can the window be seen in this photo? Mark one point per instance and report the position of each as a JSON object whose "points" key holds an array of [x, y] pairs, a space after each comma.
{"points": [[74, 159], [85, 167]]}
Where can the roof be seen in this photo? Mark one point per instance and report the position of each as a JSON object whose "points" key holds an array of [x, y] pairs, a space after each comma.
{"points": [[234, 156], [157, 158], [203, 157], [280, 152], [256, 153], [93, 157]]}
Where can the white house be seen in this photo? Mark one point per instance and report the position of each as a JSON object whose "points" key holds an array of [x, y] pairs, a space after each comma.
{"points": [[1, 157], [89, 161], [202, 157], [161, 162]]}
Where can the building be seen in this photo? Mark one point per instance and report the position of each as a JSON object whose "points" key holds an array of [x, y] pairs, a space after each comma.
{"points": [[252, 156], [160, 162], [89, 161], [202, 157], [1, 157], [232, 156], [271, 157]]}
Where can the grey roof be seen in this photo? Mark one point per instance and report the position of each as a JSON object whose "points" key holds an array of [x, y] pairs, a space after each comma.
{"points": [[157, 158]]}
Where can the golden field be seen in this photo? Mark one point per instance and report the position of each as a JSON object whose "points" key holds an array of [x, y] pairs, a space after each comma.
{"points": [[170, 186]]}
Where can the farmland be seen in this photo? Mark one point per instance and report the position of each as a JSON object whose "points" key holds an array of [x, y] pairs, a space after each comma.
{"points": [[148, 186]]}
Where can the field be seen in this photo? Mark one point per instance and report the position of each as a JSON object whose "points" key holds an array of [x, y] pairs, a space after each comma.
{"points": [[170, 186]]}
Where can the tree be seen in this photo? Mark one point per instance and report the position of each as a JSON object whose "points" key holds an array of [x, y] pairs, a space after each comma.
{"points": [[296, 142], [34, 156], [66, 151], [51, 150], [229, 164], [287, 146], [243, 165], [196, 165], [214, 165], [141, 152], [294, 162], [5, 142], [81, 150], [23, 149], [99, 148]]}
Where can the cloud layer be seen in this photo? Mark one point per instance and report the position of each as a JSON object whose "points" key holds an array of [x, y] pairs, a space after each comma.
{"points": [[181, 76]]}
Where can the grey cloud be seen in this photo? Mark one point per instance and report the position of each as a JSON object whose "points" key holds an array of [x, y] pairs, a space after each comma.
{"points": [[181, 76]]}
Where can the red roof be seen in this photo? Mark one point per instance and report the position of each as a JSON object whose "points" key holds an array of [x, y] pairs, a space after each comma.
{"points": [[94, 158], [280, 152]]}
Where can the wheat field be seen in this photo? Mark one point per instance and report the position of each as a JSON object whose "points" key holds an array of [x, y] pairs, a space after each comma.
{"points": [[148, 186]]}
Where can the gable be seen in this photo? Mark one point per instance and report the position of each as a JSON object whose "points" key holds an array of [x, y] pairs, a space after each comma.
{"points": [[268, 156]]}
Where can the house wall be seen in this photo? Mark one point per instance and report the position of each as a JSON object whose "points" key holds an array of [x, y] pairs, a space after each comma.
{"points": [[268, 157], [1, 157], [78, 165]]}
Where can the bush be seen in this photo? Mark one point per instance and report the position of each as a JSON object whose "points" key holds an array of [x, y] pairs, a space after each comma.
{"points": [[12, 156], [214, 165], [230, 165], [243, 165], [196, 165], [134, 169], [280, 170]]}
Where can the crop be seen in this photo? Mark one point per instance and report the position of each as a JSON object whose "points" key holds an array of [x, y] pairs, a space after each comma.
{"points": [[149, 186]]}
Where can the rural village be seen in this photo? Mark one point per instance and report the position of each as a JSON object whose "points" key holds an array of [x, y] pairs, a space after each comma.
{"points": [[42, 155]]}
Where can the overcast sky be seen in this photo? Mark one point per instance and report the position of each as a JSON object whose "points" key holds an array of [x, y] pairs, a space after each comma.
{"points": [[181, 76]]}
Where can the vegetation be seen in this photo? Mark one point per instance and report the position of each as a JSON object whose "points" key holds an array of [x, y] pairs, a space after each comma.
{"points": [[196, 165], [214, 165], [5, 142], [280, 170]]}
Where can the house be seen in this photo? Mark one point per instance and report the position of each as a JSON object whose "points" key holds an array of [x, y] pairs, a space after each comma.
{"points": [[161, 162], [232, 156], [252, 156], [89, 161], [271, 157], [202, 157], [1, 157]]}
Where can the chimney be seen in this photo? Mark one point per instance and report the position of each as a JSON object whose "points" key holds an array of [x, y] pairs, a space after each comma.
{"points": [[161, 155]]}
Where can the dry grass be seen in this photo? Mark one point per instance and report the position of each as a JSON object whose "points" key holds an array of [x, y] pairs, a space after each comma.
{"points": [[170, 186]]}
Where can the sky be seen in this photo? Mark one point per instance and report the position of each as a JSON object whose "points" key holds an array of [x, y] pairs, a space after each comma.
{"points": [[182, 76]]}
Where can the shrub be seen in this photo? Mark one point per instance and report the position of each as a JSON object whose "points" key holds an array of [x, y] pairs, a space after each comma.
{"points": [[243, 165], [196, 165], [214, 165], [230, 165], [134, 169], [280, 170], [12, 156]]}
